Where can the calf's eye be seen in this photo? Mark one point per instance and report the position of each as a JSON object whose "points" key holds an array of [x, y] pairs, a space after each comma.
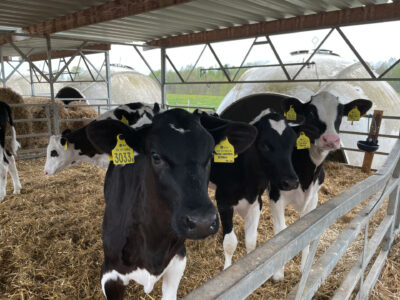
{"points": [[53, 153], [156, 157]]}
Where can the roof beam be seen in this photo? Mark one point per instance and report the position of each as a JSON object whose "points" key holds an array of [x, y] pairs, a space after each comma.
{"points": [[66, 53], [101, 13], [351, 16]]}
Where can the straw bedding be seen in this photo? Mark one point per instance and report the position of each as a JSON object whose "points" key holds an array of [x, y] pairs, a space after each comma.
{"points": [[50, 240]]}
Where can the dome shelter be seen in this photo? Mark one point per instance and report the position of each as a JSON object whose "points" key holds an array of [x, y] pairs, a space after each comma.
{"points": [[127, 85], [325, 65], [69, 92]]}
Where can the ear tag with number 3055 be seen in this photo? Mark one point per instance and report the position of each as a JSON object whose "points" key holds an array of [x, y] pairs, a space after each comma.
{"points": [[122, 154], [124, 120], [291, 114], [354, 114], [224, 152], [303, 141]]}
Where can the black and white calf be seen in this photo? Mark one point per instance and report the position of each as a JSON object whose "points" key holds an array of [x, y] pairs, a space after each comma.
{"points": [[7, 163], [323, 112], [240, 185], [72, 147], [153, 205]]}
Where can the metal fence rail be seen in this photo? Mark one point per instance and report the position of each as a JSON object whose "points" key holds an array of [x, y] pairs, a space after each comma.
{"points": [[251, 271]]}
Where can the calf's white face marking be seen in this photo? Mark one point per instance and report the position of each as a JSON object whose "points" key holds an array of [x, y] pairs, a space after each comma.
{"points": [[180, 130], [327, 109], [262, 114], [57, 157], [278, 126]]}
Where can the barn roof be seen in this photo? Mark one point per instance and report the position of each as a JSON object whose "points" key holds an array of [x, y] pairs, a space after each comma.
{"points": [[171, 23]]}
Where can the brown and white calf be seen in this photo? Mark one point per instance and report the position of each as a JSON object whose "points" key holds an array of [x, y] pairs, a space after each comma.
{"points": [[7, 163]]}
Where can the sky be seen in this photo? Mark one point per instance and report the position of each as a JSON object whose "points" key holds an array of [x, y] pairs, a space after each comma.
{"points": [[374, 42]]}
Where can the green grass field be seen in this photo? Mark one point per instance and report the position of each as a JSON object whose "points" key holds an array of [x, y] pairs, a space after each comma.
{"points": [[194, 100]]}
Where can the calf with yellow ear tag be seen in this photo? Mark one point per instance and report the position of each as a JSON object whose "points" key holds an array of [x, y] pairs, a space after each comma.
{"points": [[323, 115]]}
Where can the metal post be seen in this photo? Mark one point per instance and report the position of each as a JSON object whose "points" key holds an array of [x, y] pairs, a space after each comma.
{"points": [[163, 85], [108, 77], [3, 74], [54, 109], [31, 80], [373, 131], [391, 210]]}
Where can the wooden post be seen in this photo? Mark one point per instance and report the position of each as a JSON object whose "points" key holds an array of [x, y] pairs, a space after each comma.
{"points": [[368, 156]]}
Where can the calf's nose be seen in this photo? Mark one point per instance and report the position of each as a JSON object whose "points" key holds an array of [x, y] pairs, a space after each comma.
{"points": [[330, 140], [201, 226], [288, 184]]}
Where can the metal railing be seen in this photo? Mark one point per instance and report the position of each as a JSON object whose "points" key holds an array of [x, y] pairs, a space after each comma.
{"points": [[251, 271]]}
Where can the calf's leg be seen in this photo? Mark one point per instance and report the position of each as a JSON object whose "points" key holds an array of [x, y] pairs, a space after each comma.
{"points": [[230, 240], [12, 168], [172, 277], [312, 204], [114, 289], [251, 219], [3, 179], [278, 218]]}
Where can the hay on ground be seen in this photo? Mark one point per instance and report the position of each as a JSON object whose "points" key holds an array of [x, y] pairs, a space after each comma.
{"points": [[50, 240]]}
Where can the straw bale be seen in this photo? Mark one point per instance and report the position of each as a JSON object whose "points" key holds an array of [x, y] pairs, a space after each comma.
{"points": [[8, 96], [83, 111], [50, 240]]}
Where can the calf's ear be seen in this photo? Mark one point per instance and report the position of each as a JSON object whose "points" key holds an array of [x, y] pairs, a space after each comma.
{"points": [[363, 106], [240, 135], [295, 103], [156, 108], [103, 135]]}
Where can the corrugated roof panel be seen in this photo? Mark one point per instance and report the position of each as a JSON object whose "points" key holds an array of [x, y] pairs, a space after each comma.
{"points": [[23, 13], [186, 18]]}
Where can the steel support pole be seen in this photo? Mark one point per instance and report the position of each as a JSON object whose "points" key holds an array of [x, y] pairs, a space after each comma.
{"points": [[31, 80], [3, 73], [162, 83], [108, 77], [54, 109]]}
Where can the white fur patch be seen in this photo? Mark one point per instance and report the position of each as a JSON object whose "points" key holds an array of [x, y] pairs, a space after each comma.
{"points": [[262, 114], [141, 276], [326, 105], [229, 244], [278, 126], [180, 130]]}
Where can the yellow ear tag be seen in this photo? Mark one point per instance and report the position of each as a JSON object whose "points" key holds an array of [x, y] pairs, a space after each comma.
{"points": [[66, 145], [354, 114], [124, 120], [122, 154], [303, 141], [291, 114], [224, 152]]}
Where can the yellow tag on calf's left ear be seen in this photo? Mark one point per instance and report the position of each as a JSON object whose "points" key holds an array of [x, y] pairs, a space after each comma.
{"points": [[354, 114], [124, 120], [291, 114], [303, 141], [66, 145], [224, 152], [122, 154]]}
